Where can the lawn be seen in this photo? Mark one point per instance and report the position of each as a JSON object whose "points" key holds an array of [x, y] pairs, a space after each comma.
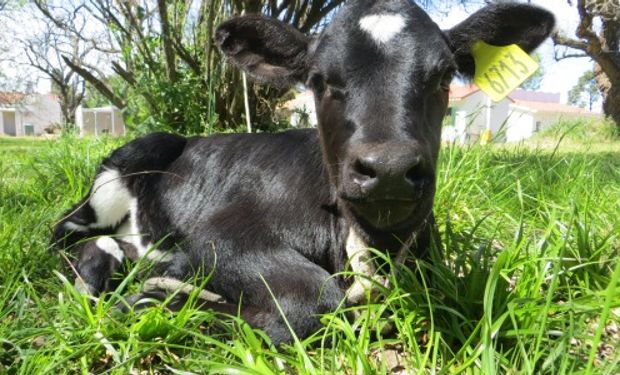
{"points": [[526, 279]]}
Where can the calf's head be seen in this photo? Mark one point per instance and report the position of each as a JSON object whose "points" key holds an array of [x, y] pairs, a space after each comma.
{"points": [[380, 74]]}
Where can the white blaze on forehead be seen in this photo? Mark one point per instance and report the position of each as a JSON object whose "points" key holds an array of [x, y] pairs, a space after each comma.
{"points": [[382, 27]]}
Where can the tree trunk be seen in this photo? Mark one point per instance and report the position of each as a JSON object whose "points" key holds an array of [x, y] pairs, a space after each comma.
{"points": [[611, 95], [611, 105], [602, 44]]}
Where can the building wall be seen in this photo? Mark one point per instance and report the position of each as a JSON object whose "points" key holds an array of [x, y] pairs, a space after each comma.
{"points": [[519, 125], [471, 114], [524, 123], [499, 122], [36, 111], [119, 124], [474, 108], [41, 111], [546, 119]]}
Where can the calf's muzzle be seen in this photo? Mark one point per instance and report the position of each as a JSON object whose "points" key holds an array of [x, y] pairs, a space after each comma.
{"points": [[386, 172]]}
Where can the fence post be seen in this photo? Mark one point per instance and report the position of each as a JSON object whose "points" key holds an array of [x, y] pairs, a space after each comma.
{"points": [[96, 129], [113, 127]]}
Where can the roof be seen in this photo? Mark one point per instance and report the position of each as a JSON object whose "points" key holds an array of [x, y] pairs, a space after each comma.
{"points": [[535, 96], [458, 92], [11, 97], [550, 107]]}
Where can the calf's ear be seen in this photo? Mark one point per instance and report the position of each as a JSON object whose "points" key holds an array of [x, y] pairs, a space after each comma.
{"points": [[500, 24], [266, 48]]}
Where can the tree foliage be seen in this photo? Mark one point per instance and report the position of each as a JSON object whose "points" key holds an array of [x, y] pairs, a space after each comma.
{"points": [[585, 93], [598, 36], [171, 76]]}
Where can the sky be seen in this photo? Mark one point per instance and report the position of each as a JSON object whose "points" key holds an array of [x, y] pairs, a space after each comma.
{"points": [[559, 76]]}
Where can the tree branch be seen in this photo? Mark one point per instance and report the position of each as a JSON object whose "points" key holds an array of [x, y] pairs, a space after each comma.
{"points": [[561, 40], [591, 44], [167, 41], [97, 83], [187, 57], [129, 78]]}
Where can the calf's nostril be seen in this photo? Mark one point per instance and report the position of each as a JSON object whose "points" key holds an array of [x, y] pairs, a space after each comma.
{"points": [[415, 174], [364, 169]]}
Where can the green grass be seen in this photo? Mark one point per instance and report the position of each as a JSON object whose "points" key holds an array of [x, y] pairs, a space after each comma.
{"points": [[527, 281], [580, 131]]}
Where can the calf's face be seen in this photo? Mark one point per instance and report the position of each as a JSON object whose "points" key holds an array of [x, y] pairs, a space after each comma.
{"points": [[380, 74]]}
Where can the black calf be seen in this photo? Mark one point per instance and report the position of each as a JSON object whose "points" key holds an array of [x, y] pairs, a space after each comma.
{"points": [[276, 215]]}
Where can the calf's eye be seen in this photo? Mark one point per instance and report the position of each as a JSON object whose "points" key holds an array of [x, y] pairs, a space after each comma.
{"points": [[317, 84], [337, 93], [446, 79]]}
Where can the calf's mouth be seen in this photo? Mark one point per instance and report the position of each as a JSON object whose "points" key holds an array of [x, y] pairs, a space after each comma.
{"points": [[392, 212]]}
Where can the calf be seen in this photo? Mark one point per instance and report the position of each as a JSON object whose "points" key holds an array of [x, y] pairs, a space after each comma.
{"points": [[274, 216]]}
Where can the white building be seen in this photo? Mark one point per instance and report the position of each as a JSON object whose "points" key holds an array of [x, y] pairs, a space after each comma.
{"points": [[98, 121], [519, 116], [529, 117], [28, 114]]}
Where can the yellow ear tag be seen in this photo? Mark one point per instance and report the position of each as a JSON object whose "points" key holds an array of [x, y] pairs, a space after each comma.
{"points": [[500, 70]]}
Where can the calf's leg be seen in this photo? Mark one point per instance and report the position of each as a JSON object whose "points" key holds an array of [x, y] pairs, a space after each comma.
{"points": [[97, 261], [268, 292]]}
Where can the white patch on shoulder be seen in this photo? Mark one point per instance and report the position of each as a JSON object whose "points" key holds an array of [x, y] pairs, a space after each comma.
{"points": [[109, 246], [361, 264], [110, 199], [382, 27]]}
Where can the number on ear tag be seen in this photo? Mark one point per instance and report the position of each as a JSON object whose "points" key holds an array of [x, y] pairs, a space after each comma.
{"points": [[500, 70]]}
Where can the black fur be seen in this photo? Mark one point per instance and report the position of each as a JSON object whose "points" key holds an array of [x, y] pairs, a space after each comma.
{"points": [[276, 209], [265, 47]]}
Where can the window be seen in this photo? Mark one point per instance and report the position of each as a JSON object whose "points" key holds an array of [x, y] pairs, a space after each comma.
{"points": [[28, 129], [537, 127]]}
